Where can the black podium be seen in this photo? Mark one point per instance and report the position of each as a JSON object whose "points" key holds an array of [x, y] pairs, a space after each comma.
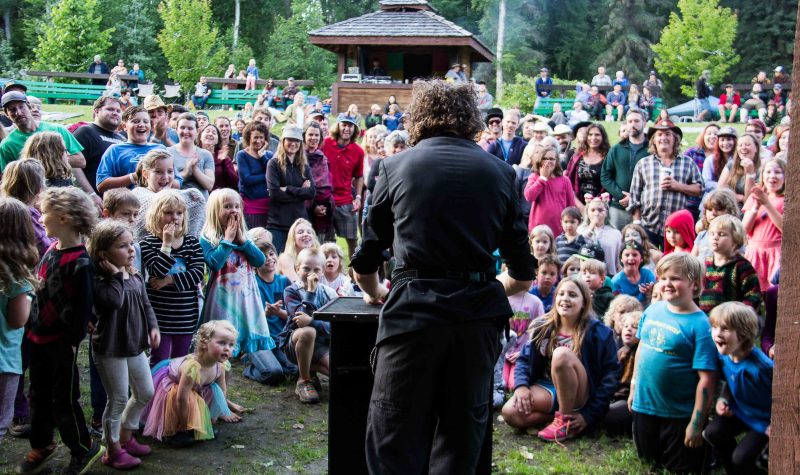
{"points": [[354, 327]]}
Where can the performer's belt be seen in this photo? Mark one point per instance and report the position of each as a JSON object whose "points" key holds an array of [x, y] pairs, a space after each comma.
{"points": [[402, 275]]}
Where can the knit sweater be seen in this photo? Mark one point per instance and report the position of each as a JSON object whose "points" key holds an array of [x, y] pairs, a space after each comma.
{"points": [[735, 281]]}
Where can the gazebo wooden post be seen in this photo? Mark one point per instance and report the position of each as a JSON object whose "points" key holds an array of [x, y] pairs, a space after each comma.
{"points": [[785, 431]]}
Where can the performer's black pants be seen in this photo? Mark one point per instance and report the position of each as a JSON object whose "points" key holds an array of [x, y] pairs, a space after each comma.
{"points": [[431, 401]]}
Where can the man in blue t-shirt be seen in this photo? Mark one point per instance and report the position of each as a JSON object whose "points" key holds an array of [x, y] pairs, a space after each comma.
{"points": [[118, 165]]}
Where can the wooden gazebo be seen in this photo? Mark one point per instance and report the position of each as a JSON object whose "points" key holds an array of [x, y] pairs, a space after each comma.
{"points": [[409, 40]]}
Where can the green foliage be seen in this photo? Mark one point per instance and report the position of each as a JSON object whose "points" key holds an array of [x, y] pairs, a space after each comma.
{"points": [[521, 54], [137, 23], [240, 56], [700, 38], [72, 38], [768, 38], [337, 10], [9, 67], [628, 38], [188, 40], [522, 92], [562, 23], [289, 53]]}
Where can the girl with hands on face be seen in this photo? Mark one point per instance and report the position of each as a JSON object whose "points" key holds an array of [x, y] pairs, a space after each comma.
{"points": [[232, 293], [126, 327], [548, 190], [174, 261]]}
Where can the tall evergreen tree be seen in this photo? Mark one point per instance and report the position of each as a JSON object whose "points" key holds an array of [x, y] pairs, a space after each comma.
{"points": [[631, 29], [766, 39], [562, 24], [137, 23]]}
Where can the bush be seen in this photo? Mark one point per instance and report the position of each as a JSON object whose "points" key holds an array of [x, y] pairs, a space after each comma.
{"points": [[522, 92]]}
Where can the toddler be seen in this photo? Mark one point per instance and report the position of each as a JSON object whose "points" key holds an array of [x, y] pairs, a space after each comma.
{"points": [[569, 242], [333, 276], [679, 232], [546, 278], [618, 307], [718, 202], [619, 418]]}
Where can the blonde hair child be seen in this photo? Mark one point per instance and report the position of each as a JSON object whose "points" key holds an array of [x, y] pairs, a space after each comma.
{"points": [[174, 264], [301, 236], [595, 228], [333, 274], [179, 411], [621, 305], [18, 257], [24, 180], [49, 149], [542, 241], [719, 202], [232, 291], [126, 327]]}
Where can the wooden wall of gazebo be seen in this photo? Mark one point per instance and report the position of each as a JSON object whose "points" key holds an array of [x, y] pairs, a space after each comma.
{"points": [[784, 450]]}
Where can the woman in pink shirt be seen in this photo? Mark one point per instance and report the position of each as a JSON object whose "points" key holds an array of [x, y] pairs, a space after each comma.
{"points": [[548, 190]]}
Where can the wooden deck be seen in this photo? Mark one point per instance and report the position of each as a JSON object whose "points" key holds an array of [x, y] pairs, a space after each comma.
{"points": [[364, 95]]}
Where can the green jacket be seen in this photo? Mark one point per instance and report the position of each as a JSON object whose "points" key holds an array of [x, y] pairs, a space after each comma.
{"points": [[617, 171]]}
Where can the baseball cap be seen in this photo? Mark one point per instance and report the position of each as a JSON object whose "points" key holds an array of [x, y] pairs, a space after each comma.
{"points": [[591, 251], [652, 73], [292, 132], [544, 70], [778, 86], [779, 69], [316, 113], [15, 84], [13, 96], [346, 118]]}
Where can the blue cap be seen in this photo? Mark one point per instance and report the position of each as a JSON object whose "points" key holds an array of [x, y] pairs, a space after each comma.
{"points": [[346, 118]]}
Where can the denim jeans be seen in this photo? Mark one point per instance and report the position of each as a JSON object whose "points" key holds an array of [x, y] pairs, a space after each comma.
{"points": [[269, 367]]}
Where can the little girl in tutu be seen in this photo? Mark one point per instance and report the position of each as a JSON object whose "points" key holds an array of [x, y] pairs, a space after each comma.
{"points": [[190, 391]]}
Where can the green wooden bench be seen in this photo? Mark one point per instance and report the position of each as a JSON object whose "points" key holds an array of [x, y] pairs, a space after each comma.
{"points": [[545, 106], [237, 97], [54, 91]]}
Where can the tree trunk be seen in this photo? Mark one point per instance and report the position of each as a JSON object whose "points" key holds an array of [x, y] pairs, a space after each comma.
{"points": [[236, 15], [7, 22], [784, 453], [501, 31]]}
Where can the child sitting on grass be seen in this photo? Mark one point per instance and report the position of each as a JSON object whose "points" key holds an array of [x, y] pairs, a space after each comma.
{"points": [[305, 341], [593, 272], [567, 371], [270, 366], [613, 317], [729, 276], [675, 374], [634, 279], [619, 417], [333, 276], [746, 401], [546, 279]]}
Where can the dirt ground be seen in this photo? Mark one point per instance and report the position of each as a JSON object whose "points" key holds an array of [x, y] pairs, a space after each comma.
{"points": [[282, 436]]}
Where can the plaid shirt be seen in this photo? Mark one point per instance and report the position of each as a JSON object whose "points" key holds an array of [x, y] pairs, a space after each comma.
{"points": [[646, 193]]}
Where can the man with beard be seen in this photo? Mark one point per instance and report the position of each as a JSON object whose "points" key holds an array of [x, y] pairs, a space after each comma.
{"points": [[439, 331], [97, 137], [346, 163], [617, 171], [18, 109]]}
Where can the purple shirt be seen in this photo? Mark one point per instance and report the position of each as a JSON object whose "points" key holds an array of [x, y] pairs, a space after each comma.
{"points": [[42, 241]]}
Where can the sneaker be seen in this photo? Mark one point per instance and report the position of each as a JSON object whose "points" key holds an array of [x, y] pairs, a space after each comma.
{"points": [[35, 459], [559, 429], [306, 392], [82, 464], [20, 427], [135, 448], [121, 460], [96, 428]]}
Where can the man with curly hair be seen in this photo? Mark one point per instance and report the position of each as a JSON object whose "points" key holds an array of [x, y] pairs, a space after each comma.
{"points": [[443, 207]]}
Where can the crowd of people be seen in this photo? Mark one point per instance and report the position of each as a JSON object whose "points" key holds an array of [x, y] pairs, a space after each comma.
{"points": [[179, 243]]}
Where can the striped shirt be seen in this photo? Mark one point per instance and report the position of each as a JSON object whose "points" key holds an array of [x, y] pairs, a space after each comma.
{"points": [[735, 281], [175, 305], [654, 203]]}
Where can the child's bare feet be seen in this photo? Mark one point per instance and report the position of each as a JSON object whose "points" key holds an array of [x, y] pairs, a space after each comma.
{"points": [[236, 408], [232, 418]]}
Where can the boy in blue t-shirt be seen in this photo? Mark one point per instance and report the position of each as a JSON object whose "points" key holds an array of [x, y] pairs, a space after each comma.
{"points": [[546, 280], [676, 370], [270, 366], [745, 403], [633, 279]]}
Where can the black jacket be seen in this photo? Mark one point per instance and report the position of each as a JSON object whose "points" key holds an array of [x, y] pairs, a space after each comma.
{"points": [[287, 206], [444, 205]]}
